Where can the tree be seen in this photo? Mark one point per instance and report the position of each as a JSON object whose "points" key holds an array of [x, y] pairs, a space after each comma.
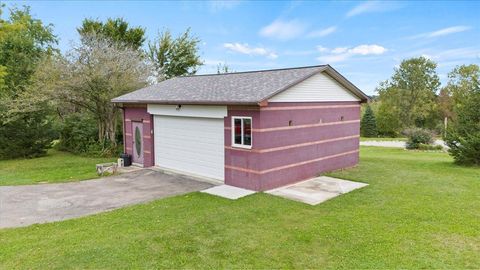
{"points": [[463, 81], [223, 68], [118, 30], [445, 103], [410, 95], [24, 41], [3, 74], [28, 136], [175, 57], [463, 136], [368, 124], [89, 76]]}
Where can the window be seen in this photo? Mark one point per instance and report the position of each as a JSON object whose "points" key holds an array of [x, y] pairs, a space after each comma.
{"points": [[242, 132]]}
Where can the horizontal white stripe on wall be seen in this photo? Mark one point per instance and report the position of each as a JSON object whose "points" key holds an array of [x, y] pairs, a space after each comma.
{"points": [[290, 165], [280, 148]]}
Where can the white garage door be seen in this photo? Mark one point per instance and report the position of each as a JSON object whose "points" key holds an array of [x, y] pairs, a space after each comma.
{"points": [[192, 145]]}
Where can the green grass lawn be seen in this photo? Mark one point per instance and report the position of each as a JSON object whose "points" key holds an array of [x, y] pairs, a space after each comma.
{"points": [[382, 139], [419, 211], [55, 167]]}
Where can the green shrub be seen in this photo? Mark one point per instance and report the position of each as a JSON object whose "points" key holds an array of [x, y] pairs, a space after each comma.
{"points": [[429, 147], [29, 135], [466, 150], [417, 136], [368, 125], [78, 133], [388, 121], [463, 136], [104, 150]]}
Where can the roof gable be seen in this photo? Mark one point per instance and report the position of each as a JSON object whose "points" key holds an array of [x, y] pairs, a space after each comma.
{"points": [[318, 88]]}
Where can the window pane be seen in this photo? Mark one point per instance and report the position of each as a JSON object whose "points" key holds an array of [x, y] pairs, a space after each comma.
{"points": [[247, 132], [237, 133]]}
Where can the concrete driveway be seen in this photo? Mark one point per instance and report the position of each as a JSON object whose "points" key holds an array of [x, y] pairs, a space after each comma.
{"points": [[26, 205]]}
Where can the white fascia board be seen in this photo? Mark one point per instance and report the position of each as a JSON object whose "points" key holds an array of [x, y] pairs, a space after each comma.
{"points": [[206, 111]]}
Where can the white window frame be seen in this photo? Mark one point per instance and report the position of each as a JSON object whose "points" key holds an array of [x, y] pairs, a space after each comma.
{"points": [[241, 131]]}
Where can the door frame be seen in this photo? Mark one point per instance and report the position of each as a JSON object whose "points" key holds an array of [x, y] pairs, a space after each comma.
{"points": [[141, 159]]}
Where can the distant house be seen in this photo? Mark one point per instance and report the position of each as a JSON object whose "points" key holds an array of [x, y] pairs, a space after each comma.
{"points": [[256, 130]]}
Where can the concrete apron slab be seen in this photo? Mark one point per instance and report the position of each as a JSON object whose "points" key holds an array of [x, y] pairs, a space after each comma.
{"points": [[229, 192], [30, 204], [316, 190]]}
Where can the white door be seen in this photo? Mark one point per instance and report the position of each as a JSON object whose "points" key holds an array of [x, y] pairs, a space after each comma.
{"points": [[193, 145]]}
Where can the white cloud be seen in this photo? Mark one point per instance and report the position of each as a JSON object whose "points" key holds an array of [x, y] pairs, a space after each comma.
{"points": [[444, 32], [442, 56], [323, 32], [339, 50], [368, 49], [340, 54], [333, 58], [373, 6], [467, 53], [449, 30], [283, 30], [248, 50], [320, 48]]}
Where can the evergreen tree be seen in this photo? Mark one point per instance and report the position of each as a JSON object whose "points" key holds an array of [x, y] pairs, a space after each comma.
{"points": [[368, 125], [463, 137]]}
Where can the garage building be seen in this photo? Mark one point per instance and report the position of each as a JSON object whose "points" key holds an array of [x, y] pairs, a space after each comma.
{"points": [[256, 130]]}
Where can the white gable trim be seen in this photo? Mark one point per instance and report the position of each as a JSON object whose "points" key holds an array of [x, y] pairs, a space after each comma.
{"points": [[318, 88]]}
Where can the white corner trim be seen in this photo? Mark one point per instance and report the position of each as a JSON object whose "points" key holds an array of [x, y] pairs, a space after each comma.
{"points": [[206, 111]]}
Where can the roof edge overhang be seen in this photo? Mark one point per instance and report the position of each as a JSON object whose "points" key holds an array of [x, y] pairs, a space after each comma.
{"points": [[184, 102]]}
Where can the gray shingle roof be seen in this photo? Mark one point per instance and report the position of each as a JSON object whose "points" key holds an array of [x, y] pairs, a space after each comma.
{"points": [[229, 88]]}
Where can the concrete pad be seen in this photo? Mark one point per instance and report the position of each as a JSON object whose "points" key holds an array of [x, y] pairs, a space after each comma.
{"points": [[30, 204], [316, 190], [229, 192]]}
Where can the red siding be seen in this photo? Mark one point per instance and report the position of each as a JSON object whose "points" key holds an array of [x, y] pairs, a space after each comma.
{"points": [[139, 114], [293, 142]]}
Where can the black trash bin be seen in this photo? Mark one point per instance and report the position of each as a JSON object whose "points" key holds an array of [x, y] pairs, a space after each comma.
{"points": [[127, 159]]}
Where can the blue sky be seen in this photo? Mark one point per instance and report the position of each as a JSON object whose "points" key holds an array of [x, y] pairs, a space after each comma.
{"points": [[362, 40]]}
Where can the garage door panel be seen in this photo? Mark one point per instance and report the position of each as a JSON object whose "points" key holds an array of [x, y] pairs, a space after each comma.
{"points": [[190, 156], [194, 166], [197, 153], [185, 131], [203, 139], [190, 144]]}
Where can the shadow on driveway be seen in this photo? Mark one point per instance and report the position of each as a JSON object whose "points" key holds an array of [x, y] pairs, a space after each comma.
{"points": [[26, 205]]}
